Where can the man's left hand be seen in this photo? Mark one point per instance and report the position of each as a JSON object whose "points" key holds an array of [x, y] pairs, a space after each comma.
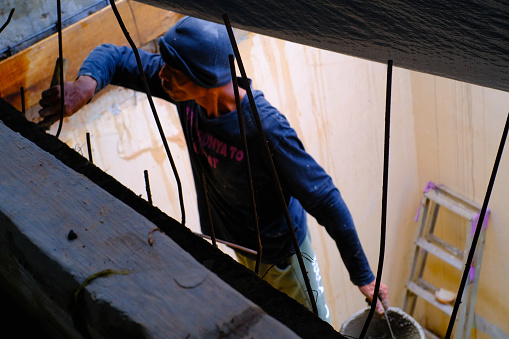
{"points": [[383, 295]]}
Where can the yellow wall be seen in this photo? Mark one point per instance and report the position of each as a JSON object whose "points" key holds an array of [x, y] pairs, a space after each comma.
{"points": [[337, 105], [458, 128], [441, 130]]}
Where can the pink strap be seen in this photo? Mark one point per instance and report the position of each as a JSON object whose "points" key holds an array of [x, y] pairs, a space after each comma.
{"points": [[430, 185], [475, 221]]}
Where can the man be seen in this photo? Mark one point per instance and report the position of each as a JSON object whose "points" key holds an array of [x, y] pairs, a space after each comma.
{"points": [[193, 72]]}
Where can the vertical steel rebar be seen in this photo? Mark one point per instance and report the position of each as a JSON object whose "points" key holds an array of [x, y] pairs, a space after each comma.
{"points": [[207, 202], [384, 199], [61, 70], [152, 107], [271, 164], [477, 230], [248, 164], [23, 104], [147, 187], [89, 147], [8, 20]]}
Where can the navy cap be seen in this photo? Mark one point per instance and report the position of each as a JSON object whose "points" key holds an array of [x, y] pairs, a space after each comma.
{"points": [[200, 50]]}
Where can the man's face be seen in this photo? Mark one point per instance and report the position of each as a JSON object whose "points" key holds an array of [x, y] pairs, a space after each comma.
{"points": [[178, 85]]}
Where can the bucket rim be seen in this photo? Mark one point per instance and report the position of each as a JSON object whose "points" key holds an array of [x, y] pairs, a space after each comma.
{"points": [[393, 309]]}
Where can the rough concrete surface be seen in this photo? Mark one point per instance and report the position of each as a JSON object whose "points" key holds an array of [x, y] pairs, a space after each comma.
{"points": [[277, 305], [33, 21], [461, 40]]}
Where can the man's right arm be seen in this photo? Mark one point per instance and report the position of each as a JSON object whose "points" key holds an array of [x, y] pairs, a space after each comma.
{"points": [[116, 65], [106, 64]]}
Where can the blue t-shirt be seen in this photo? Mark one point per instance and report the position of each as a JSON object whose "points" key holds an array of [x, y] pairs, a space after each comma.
{"points": [[216, 149]]}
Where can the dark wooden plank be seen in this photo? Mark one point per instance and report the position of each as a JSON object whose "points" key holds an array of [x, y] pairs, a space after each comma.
{"points": [[275, 303], [461, 40], [166, 292]]}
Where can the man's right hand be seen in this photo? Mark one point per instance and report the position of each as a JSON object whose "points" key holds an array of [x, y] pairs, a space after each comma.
{"points": [[383, 295], [77, 94]]}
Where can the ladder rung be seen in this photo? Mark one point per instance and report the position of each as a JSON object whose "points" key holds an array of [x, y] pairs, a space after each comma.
{"points": [[440, 253], [446, 246], [456, 196], [429, 296], [464, 209]]}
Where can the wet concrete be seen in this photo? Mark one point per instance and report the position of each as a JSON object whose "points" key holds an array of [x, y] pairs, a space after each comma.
{"points": [[402, 324]]}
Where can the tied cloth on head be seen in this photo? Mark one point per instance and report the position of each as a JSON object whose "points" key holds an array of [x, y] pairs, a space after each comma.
{"points": [[200, 50]]}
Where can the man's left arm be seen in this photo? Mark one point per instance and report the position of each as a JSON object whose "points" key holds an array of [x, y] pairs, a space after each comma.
{"points": [[313, 187]]}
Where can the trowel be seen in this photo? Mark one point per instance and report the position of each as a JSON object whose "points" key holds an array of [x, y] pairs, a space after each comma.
{"points": [[386, 316], [55, 80]]}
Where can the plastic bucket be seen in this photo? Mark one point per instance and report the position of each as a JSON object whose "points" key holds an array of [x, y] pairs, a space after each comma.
{"points": [[402, 324]]}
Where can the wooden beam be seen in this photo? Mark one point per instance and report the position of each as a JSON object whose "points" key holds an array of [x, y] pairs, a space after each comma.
{"points": [[157, 291], [274, 302], [461, 40], [33, 67]]}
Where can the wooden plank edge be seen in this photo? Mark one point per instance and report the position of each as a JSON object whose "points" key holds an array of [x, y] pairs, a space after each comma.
{"points": [[52, 199], [275, 303], [32, 68]]}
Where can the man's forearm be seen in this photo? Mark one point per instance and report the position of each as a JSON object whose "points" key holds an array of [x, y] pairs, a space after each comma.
{"points": [[117, 65], [88, 87]]}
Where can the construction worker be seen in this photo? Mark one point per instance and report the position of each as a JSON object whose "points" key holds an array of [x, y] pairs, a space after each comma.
{"points": [[193, 72]]}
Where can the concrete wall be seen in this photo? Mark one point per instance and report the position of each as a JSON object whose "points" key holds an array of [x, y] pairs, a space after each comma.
{"points": [[34, 20], [441, 130]]}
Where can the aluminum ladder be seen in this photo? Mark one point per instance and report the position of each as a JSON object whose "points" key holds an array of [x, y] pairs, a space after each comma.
{"points": [[434, 198]]}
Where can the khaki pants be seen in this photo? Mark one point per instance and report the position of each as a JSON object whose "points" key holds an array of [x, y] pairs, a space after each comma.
{"points": [[287, 277]]}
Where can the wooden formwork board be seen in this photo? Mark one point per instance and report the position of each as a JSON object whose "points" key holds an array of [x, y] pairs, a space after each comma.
{"points": [[33, 67]]}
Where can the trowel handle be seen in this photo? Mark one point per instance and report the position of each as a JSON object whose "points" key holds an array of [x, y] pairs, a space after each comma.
{"points": [[55, 80]]}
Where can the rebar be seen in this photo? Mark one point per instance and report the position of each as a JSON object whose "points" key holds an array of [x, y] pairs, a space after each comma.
{"points": [[22, 97], [8, 20], [61, 70], [152, 107], [383, 228], [477, 230], [32, 39], [229, 244], [147, 187], [248, 164], [271, 164], [209, 213], [89, 147]]}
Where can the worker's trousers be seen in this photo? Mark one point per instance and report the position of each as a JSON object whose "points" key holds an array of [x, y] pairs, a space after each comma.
{"points": [[287, 277]]}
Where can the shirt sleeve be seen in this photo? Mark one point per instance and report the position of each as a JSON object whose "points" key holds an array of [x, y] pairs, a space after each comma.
{"points": [[313, 187], [116, 65]]}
